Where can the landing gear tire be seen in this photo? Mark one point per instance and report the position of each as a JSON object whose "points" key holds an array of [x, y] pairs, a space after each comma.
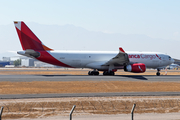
{"points": [[158, 73], [108, 73], [93, 73], [90, 73], [111, 73], [105, 73]]}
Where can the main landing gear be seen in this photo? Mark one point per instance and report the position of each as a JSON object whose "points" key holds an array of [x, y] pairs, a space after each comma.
{"points": [[93, 73], [108, 73], [158, 73]]}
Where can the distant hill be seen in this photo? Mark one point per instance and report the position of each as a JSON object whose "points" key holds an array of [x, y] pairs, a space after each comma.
{"points": [[70, 37]]}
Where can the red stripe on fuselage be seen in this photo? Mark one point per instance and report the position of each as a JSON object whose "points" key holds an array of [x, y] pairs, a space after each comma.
{"points": [[48, 58], [158, 56]]}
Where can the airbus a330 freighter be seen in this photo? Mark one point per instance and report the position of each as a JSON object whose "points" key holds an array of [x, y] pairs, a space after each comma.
{"points": [[107, 61]]}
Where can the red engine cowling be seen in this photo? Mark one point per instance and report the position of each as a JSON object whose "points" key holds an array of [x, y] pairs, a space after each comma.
{"points": [[136, 68]]}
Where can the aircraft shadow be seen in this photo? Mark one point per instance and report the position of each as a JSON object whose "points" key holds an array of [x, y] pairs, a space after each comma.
{"points": [[139, 77]]}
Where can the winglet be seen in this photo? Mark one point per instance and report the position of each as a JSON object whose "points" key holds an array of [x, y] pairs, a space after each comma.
{"points": [[120, 49]]}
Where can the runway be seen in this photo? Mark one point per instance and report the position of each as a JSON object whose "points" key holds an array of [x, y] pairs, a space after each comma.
{"points": [[30, 78]]}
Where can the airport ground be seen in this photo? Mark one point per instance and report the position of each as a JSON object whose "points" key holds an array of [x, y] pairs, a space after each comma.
{"points": [[156, 96], [147, 116], [71, 71]]}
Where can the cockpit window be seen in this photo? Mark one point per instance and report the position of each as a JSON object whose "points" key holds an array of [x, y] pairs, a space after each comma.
{"points": [[169, 57]]}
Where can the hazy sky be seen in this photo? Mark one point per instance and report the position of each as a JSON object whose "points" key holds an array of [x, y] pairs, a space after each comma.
{"points": [[154, 18], [136, 25]]}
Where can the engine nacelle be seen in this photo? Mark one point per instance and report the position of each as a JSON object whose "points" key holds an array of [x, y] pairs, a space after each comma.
{"points": [[136, 68]]}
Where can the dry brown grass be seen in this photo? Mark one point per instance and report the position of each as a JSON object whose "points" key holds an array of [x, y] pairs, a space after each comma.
{"points": [[86, 87], [33, 108]]}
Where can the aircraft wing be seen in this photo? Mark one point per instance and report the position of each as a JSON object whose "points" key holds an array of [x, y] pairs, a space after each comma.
{"points": [[121, 59]]}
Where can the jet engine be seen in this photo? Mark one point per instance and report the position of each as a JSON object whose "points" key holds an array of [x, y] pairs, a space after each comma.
{"points": [[136, 68]]}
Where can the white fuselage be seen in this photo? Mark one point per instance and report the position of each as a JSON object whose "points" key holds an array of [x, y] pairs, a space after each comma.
{"points": [[107, 61], [95, 59]]}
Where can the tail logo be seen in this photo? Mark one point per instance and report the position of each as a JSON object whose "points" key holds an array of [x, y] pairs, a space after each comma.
{"points": [[28, 39]]}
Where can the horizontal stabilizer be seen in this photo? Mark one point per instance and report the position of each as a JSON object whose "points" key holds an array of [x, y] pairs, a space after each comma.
{"points": [[29, 53]]}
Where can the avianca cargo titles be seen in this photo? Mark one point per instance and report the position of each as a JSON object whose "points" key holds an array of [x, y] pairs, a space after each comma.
{"points": [[107, 61]]}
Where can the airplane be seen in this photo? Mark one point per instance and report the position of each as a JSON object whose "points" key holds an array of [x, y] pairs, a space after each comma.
{"points": [[172, 66], [107, 61]]}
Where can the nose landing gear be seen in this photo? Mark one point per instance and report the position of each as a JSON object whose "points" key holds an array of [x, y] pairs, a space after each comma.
{"points": [[158, 73]]}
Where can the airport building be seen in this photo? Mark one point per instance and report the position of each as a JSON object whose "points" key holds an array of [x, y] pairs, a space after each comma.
{"points": [[27, 62], [4, 63], [176, 61], [8, 59], [42, 64], [30, 62]]}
